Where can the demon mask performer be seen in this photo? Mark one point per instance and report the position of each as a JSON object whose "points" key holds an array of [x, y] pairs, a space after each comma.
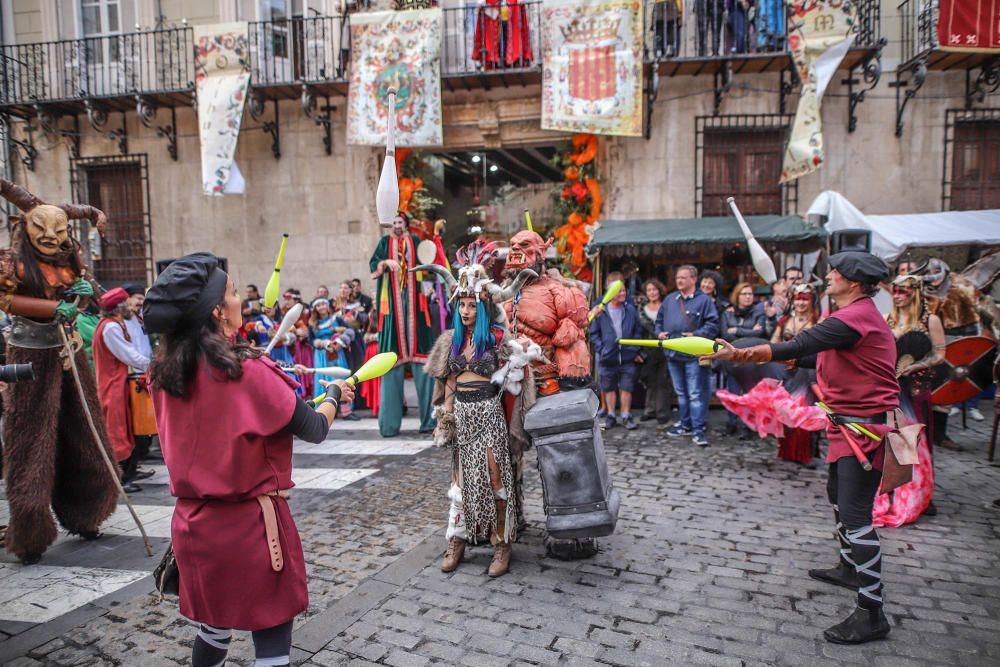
{"points": [[856, 377], [49, 455], [552, 313], [473, 365], [404, 325]]}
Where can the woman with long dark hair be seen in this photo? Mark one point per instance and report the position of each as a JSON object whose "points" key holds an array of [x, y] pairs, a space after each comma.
{"points": [[226, 416], [653, 371]]}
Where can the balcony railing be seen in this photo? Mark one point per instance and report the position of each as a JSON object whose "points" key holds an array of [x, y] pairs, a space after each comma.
{"points": [[490, 40], [157, 61], [679, 31], [919, 28], [287, 51]]}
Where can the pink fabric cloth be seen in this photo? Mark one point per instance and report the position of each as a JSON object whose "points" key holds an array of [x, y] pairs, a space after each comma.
{"points": [[769, 409], [910, 500]]}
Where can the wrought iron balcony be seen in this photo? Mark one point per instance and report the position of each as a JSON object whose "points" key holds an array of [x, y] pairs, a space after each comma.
{"points": [[286, 53], [155, 63], [684, 40], [482, 41]]}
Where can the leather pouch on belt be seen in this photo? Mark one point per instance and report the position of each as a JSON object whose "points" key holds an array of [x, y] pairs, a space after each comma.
{"points": [[901, 452]]}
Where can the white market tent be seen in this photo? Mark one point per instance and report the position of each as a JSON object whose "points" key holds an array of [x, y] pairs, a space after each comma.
{"points": [[892, 235]]}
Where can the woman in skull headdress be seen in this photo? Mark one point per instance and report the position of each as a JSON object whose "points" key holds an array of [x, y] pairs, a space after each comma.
{"points": [[468, 365], [50, 457]]}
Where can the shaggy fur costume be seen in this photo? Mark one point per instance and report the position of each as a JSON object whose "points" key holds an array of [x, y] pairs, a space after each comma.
{"points": [[49, 456]]}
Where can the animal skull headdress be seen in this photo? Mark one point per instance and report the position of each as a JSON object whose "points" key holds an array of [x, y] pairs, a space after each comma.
{"points": [[475, 262]]}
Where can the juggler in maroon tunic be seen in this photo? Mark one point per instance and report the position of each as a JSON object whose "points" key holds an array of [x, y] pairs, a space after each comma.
{"points": [[226, 443]]}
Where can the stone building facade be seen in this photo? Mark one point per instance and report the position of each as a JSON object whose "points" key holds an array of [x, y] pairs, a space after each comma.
{"points": [[326, 201]]}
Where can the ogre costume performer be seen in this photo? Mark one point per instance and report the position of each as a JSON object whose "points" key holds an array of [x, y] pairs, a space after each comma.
{"points": [[49, 455], [579, 501]]}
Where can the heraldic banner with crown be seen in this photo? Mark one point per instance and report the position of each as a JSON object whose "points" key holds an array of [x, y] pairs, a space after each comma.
{"points": [[400, 50], [592, 66]]}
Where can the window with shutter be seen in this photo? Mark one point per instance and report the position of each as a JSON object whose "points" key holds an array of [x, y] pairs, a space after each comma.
{"points": [[976, 165]]}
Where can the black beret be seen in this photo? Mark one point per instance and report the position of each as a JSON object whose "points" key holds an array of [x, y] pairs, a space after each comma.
{"points": [[860, 266], [133, 288], [184, 294]]}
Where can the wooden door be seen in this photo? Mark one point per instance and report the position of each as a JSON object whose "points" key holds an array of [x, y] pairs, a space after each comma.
{"points": [[119, 191]]}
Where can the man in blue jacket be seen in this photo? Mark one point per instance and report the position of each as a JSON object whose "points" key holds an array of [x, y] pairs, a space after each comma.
{"points": [[616, 367], [688, 312]]}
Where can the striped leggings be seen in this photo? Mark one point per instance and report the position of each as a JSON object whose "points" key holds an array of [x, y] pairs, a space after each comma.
{"points": [[272, 646]]}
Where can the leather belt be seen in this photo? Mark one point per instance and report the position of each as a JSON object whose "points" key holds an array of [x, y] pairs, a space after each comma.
{"points": [[840, 419], [271, 527], [33, 335]]}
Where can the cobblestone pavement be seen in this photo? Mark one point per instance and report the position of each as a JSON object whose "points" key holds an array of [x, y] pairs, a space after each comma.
{"points": [[707, 566]]}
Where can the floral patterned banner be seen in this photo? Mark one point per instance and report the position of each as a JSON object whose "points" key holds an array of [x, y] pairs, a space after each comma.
{"points": [[592, 66], [819, 35], [400, 50], [222, 81]]}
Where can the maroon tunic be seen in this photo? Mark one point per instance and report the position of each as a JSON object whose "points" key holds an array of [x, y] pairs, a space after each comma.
{"points": [[860, 381], [112, 387], [225, 444]]}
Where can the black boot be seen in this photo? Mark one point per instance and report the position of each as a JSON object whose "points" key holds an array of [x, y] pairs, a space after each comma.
{"points": [[864, 625], [841, 575]]}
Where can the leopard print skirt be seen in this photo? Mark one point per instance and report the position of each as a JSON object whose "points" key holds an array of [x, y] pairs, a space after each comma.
{"points": [[481, 427]]}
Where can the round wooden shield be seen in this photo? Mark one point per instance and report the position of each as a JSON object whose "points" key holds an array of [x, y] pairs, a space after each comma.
{"points": [[426, 251], [969, 369]]}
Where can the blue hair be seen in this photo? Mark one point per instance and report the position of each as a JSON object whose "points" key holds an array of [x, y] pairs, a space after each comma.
{"points": [[482, 337]]}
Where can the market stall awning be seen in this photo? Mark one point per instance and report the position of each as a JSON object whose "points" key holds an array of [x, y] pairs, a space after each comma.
{"points": [[777, 230], [892, 235]]}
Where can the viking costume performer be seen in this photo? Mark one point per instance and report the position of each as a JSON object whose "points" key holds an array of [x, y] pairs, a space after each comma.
{"points": [[919, 348], [227, 415], [50, 456], [472, 367], [856, 377], [404, 325]]}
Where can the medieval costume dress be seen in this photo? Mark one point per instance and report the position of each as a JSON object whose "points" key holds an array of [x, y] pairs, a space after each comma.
{"points": [[501, 38], [404, 327], [50, 457], [325, 329]]}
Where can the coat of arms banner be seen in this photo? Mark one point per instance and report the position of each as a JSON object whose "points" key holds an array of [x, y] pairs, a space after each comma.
{"points": [[820, 33], [222, 81], [400, 50], [592, 66]]}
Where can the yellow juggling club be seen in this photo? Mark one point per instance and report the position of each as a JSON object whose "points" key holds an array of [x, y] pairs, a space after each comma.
{"points": [[693, 345], [273, 288], [612, 292], [375, 367], [527, 220]]}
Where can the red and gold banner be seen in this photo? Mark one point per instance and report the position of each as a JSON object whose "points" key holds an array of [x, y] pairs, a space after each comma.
{"points": [[969, 25]]}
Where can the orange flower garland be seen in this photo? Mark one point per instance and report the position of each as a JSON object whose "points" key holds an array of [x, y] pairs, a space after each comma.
{"points": [[579, 199]]}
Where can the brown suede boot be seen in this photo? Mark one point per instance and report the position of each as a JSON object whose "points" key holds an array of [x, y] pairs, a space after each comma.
{"points": [[453, 554], [501, 560]]}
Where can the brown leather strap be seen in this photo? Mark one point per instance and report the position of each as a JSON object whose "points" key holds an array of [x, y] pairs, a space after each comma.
{"points": [[271, 528]]}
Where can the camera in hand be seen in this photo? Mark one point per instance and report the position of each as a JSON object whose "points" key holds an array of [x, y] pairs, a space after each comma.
{"points": [[16, 372]]}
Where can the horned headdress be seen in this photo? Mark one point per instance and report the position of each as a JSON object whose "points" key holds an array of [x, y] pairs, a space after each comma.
{"points": [[27, 202], [475, 262]]}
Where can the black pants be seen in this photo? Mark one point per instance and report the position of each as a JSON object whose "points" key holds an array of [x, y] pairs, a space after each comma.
{"points": [[852, 492], [709, 21]]}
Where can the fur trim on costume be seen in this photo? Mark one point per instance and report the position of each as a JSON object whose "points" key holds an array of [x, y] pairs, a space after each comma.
{"points": [[49, 456], [957, 309], [509, 377], [447, 428]]}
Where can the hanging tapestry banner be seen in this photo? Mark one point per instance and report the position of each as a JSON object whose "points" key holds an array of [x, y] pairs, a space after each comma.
{"points": [[968, 26], [222, 81], [592, 66], [400, 50], [819, 35]]}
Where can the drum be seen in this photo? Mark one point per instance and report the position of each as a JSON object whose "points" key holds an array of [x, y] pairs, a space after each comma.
{"points": [[141, 404]]}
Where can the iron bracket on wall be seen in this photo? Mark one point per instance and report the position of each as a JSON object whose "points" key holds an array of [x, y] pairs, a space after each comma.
{"points": [[652, 90], [256, 104], [49, 122], [911, 78], [785, 89], [871, 69], [322, 116], [723, 82], [146, 110], [987, 82], [98, 119], [25, 150]]}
